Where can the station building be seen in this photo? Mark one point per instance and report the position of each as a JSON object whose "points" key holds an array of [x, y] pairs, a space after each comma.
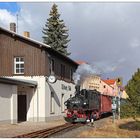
{"points": [[27, 91]]}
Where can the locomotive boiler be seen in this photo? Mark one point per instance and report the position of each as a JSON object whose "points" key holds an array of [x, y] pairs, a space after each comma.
{"points": [[85, 104]]}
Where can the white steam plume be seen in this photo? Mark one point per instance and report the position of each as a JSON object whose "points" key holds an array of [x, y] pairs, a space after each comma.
{"points": [[83, 71]]}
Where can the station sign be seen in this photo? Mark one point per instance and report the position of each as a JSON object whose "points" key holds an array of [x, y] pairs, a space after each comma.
{"points": [[65, 87], [114, 106], [119, 81]]}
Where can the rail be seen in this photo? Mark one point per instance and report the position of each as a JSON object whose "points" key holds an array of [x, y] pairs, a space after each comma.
{"points": [[50, 131]]}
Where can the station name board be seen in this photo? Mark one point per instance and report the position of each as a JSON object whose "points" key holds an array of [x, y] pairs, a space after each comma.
{"points": [[64, 87]]}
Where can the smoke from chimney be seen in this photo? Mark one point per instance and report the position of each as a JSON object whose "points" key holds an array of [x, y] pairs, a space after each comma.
{"points": [[83, 71], [13, 27]]}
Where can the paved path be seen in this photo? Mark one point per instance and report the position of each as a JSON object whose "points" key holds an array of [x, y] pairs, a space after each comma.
{"points": [[11, 130]]}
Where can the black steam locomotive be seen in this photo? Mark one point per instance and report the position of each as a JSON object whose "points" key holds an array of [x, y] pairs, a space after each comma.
{"points": [[86, 104]]}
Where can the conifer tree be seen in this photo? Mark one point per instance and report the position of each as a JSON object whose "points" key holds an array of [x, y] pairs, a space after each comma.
{"points": [[55, 32], [133, 91]]}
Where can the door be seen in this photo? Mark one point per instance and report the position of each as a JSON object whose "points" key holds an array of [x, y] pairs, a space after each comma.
{"points": [[22, 108]]}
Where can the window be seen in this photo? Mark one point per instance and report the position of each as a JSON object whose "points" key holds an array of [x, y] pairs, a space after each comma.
{"points": [[62, 103], [52, 103], [52, 66], [62, 71], [71, 74], [104, 86], [18, 65], [70, 95]]}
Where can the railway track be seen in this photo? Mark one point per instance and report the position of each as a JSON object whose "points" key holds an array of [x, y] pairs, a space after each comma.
{"points": [[50, 131]]}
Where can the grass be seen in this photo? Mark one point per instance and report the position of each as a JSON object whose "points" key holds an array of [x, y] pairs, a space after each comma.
{"points": [[124, 128]]}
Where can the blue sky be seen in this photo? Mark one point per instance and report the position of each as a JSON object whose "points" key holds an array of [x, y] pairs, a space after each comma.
{"points": [[10, 6]]}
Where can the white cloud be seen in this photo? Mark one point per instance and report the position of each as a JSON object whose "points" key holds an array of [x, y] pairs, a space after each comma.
{"points": [[27, 21], [6, 17]]}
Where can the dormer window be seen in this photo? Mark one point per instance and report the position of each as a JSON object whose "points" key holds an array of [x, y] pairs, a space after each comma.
{"points": [[19, 65]]}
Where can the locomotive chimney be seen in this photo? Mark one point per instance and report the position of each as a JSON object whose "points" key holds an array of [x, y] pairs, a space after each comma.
{"points": [[77, 88], [13, 27]]}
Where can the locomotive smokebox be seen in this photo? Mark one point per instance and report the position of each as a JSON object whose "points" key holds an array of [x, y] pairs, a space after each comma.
{"points": [[77, 88]]}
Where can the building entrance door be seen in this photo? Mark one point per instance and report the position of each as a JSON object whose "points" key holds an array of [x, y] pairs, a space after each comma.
{"points": [[22, 108]]}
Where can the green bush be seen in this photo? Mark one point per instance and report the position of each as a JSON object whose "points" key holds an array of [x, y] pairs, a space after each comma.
{"points": [[127, 111]]}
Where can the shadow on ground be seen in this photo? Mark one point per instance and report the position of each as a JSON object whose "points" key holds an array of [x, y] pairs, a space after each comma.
{"points": [[133, 125], [106, 115]]}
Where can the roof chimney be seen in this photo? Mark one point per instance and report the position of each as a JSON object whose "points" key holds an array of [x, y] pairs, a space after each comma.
{"points": [[26, 34], [13, 27]]}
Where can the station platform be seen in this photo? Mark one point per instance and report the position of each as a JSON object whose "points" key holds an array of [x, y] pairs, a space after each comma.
{"points": [[12, 130]]}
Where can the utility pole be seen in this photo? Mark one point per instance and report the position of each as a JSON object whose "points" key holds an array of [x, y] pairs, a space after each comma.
{"points": [[17, 23], [119, 84], [114, 107], [119, 98]]}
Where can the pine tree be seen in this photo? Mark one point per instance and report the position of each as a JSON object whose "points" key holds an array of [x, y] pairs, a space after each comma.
{"points": [[133, 91], [55, 32]]}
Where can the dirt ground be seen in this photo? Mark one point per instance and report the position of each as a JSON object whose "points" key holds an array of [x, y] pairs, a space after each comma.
{"points": [[123, 128]]}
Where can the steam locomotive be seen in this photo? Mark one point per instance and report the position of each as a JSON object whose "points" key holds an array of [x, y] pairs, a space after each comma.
{"points": [[87, 104]]}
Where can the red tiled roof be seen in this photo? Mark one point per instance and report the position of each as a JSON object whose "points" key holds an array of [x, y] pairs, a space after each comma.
{"points": [[110, 81], [81, 62]]}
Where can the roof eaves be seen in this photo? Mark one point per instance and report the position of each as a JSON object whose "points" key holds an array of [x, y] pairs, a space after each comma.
{"points": [[63, 56], [110, 81], [18, 82], [107, 83]]}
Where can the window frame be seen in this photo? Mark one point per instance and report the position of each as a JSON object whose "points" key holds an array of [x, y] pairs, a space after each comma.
{"points": [[71, 74], [63, 71], [19, 63], [52, 66]]}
